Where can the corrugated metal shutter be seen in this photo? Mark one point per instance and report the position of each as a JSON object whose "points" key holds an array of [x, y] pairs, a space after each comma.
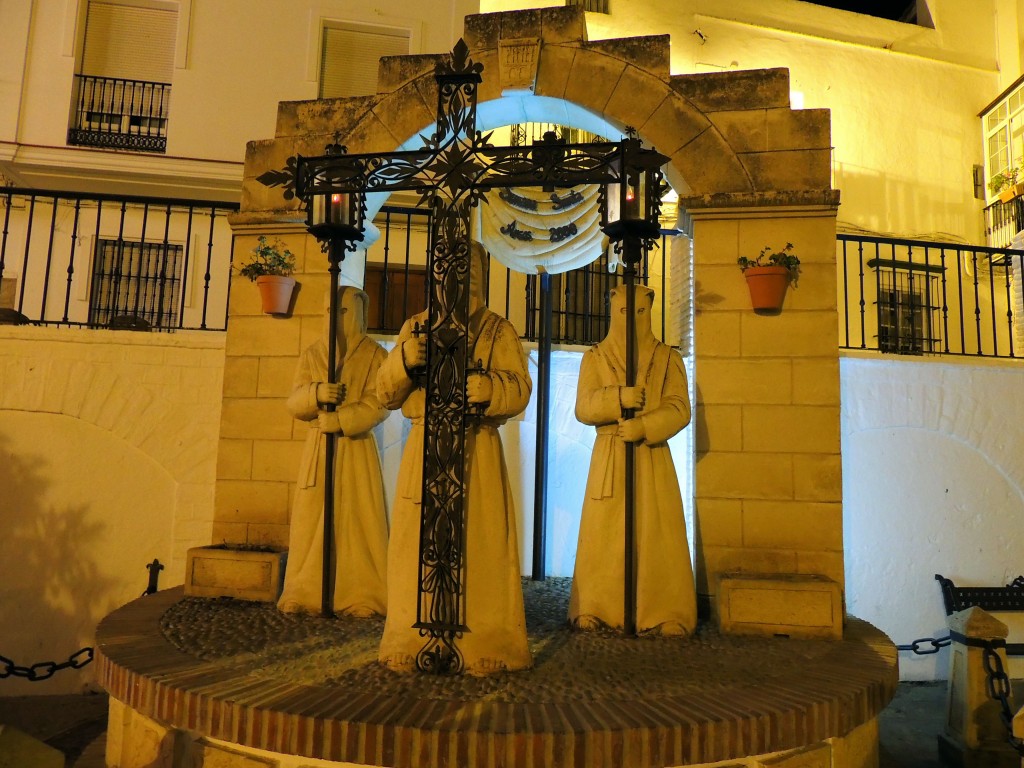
{"points": [[348, 64], [130, 42]]}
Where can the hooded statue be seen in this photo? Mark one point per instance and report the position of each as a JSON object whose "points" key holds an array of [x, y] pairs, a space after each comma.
{"points": [[496, 636], [665, 596], [360, 522]]}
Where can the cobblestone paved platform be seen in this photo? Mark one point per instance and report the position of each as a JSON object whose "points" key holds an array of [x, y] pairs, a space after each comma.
{"points": [[304, 685]]}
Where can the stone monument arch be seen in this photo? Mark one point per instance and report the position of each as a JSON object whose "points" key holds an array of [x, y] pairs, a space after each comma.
{"points": [[750, 172]]}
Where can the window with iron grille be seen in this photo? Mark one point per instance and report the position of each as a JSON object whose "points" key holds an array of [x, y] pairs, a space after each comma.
{"points": [[594, 6], [907, 314], [396, 292], [134, 281]]}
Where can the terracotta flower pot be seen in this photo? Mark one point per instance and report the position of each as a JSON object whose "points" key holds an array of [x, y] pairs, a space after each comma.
{"points": [[276, 293], [767, 286], [1011, 192]]}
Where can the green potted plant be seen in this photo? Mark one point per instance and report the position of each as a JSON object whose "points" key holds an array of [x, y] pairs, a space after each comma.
{"points": [[768, 275], [1005, 185], [270, 266]]}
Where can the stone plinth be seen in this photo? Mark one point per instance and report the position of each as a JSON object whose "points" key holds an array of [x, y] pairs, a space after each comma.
{"points": [[793, 605], [235, 571], [975, 736], [241, 676]]}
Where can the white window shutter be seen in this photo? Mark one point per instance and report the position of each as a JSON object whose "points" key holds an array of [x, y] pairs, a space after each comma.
{"points": [[348, 63], [129, 42]]}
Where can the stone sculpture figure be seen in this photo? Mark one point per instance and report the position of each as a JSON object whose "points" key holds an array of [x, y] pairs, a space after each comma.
{"points": [[360, 520], [494, 615], [665, 594]]}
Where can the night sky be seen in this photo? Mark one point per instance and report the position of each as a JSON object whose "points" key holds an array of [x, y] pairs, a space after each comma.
{"points": [[886, 9]]}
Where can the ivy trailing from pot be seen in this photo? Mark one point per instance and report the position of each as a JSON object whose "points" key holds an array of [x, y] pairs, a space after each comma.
{"points": [[270, 266], [768, 275]]}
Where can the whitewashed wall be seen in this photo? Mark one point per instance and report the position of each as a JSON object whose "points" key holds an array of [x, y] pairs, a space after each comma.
{"points": [[933, 482], [903, 164], [108, 450]]}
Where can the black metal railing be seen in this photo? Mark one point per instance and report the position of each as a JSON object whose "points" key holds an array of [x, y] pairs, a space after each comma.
{"points": [[115, 113], [595, 6], [114, 261], [396, 281], [1003, 221], [921, 297]]}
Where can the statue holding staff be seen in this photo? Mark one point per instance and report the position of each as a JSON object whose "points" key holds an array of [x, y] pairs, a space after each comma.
{"points": [[360, 530], [497, 388], [665, 595]]}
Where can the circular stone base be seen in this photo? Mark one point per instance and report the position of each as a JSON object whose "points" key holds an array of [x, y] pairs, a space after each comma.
{"points": [[244, 673]]}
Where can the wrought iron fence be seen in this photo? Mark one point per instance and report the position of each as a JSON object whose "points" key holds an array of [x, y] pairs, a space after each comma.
{"points": [[919, 297], [396, 283], [115, 113], [114, 261]]}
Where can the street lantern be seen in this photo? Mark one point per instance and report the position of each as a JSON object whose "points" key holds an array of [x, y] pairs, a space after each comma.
{"points": [[632, 205], [335, 216], [633, 200]]}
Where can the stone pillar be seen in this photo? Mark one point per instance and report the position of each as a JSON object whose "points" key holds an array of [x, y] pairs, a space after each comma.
{"points": [[974, 736], [260, 442], [769, 472]]}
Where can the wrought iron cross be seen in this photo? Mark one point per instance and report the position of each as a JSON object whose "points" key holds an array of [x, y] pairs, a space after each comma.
{"points": [[452, 172]]}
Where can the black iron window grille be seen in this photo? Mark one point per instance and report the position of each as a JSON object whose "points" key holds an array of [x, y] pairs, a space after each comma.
{"points": [[396, 283], [135, 284], [594, 6], [522, 134], [115, 113], [907, 313]]}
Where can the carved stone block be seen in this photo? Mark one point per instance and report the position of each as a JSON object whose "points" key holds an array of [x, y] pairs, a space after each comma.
{"points": [[226, 571]]}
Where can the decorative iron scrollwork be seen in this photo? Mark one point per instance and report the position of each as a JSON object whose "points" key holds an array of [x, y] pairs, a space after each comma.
{"points": [[452, 171]]}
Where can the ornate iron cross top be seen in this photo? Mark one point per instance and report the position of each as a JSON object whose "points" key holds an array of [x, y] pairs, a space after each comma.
{"points": [[452, 172]]}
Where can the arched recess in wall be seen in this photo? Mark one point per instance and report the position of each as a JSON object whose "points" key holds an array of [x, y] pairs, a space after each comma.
{"points": [[84, 511]]}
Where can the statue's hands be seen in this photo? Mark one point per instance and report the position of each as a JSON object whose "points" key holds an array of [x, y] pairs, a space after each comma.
{"points": [[414, 353], [327, 421], [479, 388], [330, 393], [632, 430], [632, 397]]}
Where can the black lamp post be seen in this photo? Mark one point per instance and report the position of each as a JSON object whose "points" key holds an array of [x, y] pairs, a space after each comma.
{"points": [[629, 217], [336, 220]]}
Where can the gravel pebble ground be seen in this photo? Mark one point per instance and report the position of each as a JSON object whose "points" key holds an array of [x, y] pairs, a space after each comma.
{"points": [[576, 665]]}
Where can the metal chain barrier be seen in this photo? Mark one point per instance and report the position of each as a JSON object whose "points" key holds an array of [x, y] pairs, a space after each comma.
{"points": [[918, 646], [44, 670], [997, 682]]}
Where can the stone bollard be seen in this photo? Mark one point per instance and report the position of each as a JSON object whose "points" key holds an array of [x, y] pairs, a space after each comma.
{"points": [[974, 736]]}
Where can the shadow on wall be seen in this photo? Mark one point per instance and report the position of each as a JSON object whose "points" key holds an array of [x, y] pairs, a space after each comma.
{"points": [[909, 206], [48, 581]]}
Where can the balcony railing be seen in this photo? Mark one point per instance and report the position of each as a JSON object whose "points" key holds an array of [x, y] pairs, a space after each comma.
{"points": [[113, 262], [113, 113], [920, 297], [1003, 221], [164, 264]]}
